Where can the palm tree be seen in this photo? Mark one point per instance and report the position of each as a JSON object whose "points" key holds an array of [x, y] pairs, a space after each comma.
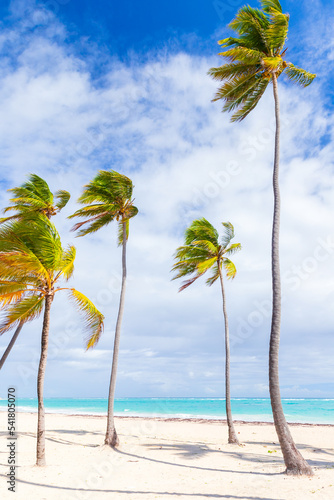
{"points": [[255, 57], [108, 197], [33, 197], [203, 251], [32, 264]]}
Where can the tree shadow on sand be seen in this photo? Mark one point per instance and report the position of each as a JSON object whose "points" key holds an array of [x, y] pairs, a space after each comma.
{"points": [[147, 492], [196, 467]]}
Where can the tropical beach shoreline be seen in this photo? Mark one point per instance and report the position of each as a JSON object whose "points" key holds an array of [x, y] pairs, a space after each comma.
{"points": [[162, 458]]}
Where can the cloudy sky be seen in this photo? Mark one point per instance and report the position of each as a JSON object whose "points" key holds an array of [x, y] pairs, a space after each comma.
{"points": [[87, 85]]}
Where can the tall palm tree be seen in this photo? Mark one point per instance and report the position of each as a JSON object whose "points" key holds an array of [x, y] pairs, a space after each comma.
{"points": [[108, 197], [32, 265], [255, 57], [33, 197], [201, 252]]}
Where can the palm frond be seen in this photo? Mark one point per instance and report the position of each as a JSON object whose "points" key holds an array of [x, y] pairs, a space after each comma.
{"points": [[94, 224], [67, 265], [39, 188], [243, 55], [130, 211], [189, 282], [228, 234], [95, 210], [272, 63], [63, 198], [108, 187], [228, 71], [201, 229], [25, 310], [11, 292], [207, 245], [277, 32], [251, 23], [202, 267], [33, 244], [251, 102], [93, 318], [215, 275], [184, 269], [236, 90], [299, 76], [25, 203], [271, 5], [230, 268], [24, 263], [232, 249]]}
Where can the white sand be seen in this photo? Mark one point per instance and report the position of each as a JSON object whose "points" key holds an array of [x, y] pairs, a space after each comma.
{"points": [[163, 460]]}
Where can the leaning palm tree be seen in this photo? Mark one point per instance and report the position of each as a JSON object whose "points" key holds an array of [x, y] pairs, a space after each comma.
{"points": [[255, 58], [33, 197], [108, 197], [32, 265], [203, 251]]}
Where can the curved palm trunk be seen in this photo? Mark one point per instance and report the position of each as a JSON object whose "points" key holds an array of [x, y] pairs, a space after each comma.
{"points": [[10, 345], [295, 463], [40, 383], [111, 438], [232, 436]]}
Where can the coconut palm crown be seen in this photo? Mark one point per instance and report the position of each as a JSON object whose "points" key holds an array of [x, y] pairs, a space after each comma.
{"points": [[32, 265], [204, 251], [107, 197], [35, 197], [253, 57]]}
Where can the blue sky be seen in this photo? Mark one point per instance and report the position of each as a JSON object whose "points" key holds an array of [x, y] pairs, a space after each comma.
{"points": [[86, 85]]}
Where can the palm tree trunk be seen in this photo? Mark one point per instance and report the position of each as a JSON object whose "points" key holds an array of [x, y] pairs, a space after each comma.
{"points": [[10, 345], [232, 436], [295, 463], [111, 438], [40, 383]]}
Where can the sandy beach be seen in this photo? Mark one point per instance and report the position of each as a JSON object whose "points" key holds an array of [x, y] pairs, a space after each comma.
{"points": [[161, 459]]}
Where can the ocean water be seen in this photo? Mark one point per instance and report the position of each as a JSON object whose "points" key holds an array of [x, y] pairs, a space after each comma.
{"points": [[319, 411]]}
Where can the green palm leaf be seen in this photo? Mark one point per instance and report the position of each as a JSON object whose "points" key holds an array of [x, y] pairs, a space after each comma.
{"points": [[25, 310], [229, 268], [11, 292], [67, 265], [250, 102], [299, 76], [93, 317], [271, 5], [63, 198], [94, 224], [228, 234]]}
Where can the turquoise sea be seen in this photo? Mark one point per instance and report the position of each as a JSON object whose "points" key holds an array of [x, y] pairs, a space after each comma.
{"points": [[319, 411]]}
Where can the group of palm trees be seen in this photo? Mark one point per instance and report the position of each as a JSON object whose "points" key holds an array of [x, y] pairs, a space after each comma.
{"points": [[32, 260], [33, 263]]}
